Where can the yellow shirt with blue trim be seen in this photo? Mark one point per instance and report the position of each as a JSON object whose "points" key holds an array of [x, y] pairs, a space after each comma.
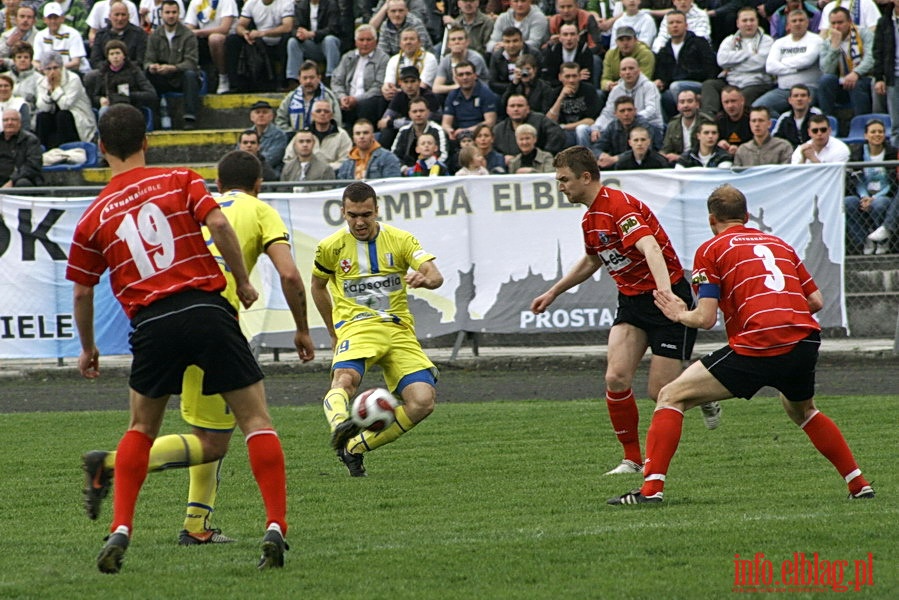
{"points": [[257, 225], [367, 279]]}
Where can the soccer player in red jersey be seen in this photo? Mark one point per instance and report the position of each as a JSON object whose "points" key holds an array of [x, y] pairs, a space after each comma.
{"points": [[145, 228], [767, 297], [623, 234]]}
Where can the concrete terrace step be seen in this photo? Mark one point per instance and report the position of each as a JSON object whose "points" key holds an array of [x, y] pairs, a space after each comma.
{"points": [[101, 176], [197, 146], [226, 111]]}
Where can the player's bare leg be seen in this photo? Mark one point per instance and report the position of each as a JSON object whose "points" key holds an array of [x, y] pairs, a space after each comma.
{"points": [[627, 345]]}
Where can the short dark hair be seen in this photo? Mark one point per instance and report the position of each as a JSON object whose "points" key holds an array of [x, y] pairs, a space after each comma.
{"points": [[802, 87], [569, 65], [239, 170], [843, 10], [170, 2], [22, 48], [818, 119], [727, 203], [248, 132], [579, 159], [123, 130], [512, 31], [463, 64], [359, 192], [115, 44], [309, 65], [763, 109], [623, 100]]}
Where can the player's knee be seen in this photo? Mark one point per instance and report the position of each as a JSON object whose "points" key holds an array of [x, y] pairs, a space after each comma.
{"points": [[419, 406], [617, 382]]}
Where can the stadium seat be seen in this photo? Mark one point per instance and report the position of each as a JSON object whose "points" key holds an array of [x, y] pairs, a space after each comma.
{"points": [[858, 123], [90, 150], [834, 124]]}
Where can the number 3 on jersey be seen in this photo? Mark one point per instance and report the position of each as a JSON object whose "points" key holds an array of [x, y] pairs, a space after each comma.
{"points": [[151, 229], [775, 280]]}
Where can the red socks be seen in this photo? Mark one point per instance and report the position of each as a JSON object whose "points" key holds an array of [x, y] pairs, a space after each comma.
{"points": [[625, 421], [131, 461], [267, 462], [829, 441], [661, 444]]}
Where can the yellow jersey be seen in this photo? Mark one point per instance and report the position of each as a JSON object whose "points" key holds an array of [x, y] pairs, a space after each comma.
{"points": [[367, 279], [257, 225]]}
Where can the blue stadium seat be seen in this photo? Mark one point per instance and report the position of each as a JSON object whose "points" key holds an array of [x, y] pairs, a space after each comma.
{"points": [[834, 124], [858, 123], [90, 151]]}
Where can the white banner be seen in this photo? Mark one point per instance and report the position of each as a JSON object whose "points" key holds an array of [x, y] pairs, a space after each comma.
{"points": [[499, 241]]}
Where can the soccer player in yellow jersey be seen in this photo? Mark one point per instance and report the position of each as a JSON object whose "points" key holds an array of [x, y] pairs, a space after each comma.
{"points": [[259, 229], [359, 282]]}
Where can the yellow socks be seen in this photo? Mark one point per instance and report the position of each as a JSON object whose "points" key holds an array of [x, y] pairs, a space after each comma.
{"points": [[204, 483], [369, 440], [337, 407]]}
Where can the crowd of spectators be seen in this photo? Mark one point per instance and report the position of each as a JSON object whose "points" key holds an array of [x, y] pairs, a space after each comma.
{"points": [[426, 88]]}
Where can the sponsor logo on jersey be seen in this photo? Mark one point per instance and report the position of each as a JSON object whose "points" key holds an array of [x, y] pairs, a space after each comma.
{"points": [[367, 286], [699, 277], [345, 265], [614, 260], [629, 224]]}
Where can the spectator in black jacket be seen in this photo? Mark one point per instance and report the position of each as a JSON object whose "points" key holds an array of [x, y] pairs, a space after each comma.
{"points": [[694, 63], [317, 40], [117, 80], [884, 73], [502, 62], [568, 49], [20, 153], [526, 81], [550, 136], [119, 28], [792, 125], [641, 155]]}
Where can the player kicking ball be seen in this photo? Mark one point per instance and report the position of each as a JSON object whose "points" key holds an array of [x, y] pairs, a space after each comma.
{"points": [[768, 298], [623, 234], [359, 281]]}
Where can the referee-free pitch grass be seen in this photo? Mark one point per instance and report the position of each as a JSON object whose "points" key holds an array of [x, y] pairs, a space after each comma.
{"points": [[483, 500]]}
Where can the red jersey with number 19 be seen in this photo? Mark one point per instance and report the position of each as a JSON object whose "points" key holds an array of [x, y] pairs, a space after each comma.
{"points": [[145, 227], [762, 289], [612, 226]]}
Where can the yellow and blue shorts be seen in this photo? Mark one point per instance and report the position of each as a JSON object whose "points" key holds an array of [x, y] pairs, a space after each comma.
{"points": [[206, 412]]}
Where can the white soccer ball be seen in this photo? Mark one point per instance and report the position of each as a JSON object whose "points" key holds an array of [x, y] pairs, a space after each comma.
{"points": [[374, 409]]}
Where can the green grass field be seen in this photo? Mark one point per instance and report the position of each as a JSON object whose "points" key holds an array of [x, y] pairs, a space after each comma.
{"points": [[483, 500]]}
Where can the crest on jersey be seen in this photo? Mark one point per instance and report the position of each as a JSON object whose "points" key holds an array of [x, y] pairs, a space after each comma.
{"points": [[603, 238], [345, 265], [389, 257]]}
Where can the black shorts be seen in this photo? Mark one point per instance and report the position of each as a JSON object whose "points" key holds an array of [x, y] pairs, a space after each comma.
{"points": [[190, 328], [792, 374], [666, 338]]}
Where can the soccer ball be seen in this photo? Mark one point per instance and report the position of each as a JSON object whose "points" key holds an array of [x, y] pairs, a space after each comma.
{"points": [[373, 409]]}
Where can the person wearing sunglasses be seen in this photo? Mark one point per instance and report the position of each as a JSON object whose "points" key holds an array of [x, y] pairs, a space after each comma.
{"points": [[821, 147]]}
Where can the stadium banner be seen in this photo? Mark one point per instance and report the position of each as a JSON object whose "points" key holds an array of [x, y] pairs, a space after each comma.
{"points": [[500, 241]]}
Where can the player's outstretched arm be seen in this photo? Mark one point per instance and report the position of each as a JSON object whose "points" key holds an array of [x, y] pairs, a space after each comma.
{"points": [[295, 295], [322, 299], [584, 269], [83, 305], [655, 260], [226, 241], [427, 276]]}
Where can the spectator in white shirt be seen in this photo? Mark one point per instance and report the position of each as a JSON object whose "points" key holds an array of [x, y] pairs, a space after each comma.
{"points": [[793, 59], [821, 147]]}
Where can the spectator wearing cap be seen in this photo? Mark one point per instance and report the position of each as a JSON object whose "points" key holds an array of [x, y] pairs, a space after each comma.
{"points": [[8, 101], [60, 38], [63, 109], [119, 81], [118, 27], [411, 54], [525, 17], [697, 22], [396, 115], [272, 141], [20, 153], [23, 31], [569, 49], [172, 61], [294, 112], [359, 76], [642, 22], [628, 46]]}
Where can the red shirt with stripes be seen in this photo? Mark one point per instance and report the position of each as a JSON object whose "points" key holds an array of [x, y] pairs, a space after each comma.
{"points": [[145, 228], [762, 288], [612, 226]]}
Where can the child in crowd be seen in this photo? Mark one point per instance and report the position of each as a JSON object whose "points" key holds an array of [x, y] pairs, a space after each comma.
{"points": [[427, 164], [472, 161]]}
